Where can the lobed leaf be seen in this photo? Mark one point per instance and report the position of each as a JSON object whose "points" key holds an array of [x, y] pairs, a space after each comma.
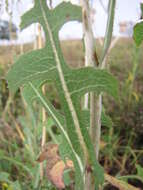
{"points": [[37, 67]]}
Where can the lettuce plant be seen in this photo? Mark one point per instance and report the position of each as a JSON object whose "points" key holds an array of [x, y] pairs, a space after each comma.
{"points": [[36, 68]]}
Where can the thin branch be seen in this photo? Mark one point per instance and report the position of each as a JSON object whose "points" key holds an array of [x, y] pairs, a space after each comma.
{"points": [[103, 6], [8, 102], [96, 129], [109, 30], [121, 185], [113, 43]]}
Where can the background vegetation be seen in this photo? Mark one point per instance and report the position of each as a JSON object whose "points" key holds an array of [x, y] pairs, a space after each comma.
{"points": [[121, 145]]}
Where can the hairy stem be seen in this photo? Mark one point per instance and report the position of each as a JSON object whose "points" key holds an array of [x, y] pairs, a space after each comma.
{"points": [[89, 61], [95, 130], [88, 40], [102, 65], [92, 60], [39, 42], [43, 135]]}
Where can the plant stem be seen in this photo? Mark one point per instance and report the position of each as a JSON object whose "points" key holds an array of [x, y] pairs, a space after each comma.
{"points": [[136, 62], [95, 129], [89, 61], [102, 65], [88, 40], [43, 120], [92, 60], [43, 109]]}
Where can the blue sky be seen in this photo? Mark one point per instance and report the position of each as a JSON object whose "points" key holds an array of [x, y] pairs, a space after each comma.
{"points": [[126, 10]]}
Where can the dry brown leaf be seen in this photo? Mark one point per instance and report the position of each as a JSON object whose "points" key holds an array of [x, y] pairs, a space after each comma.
{"points": [[55, 165], [55, 175]]}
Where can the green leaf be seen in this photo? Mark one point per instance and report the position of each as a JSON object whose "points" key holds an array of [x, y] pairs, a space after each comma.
{"points": [[83, 80], [106, 120], [139, 172], [138, 30], [138, 33], [47, 65], [59, 121], [17, 163], [4, 177], [66, 177]]}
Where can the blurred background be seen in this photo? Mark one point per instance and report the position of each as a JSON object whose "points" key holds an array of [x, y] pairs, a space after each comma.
{"points": [[126, 15], [21, 128]]}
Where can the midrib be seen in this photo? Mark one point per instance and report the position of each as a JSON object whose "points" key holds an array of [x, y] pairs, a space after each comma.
{"points": [[67, 94], [59, 124]]}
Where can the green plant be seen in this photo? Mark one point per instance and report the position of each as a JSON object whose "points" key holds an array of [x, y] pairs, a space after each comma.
{"points": [[40, 66], [73, 134], [47, 65]]}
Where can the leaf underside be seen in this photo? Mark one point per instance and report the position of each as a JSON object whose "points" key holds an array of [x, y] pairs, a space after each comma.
{"points": [[138, 33], [47, 64]]}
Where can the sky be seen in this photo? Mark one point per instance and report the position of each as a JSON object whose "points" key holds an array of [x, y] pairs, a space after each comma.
{"points": [[126, 10]]}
